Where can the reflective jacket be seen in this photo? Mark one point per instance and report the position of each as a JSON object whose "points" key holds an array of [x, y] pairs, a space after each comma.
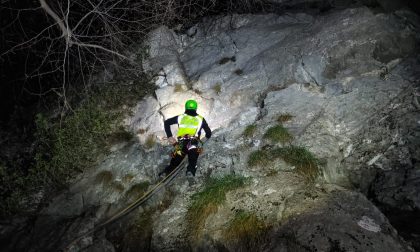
{"points": [[189, 125]]}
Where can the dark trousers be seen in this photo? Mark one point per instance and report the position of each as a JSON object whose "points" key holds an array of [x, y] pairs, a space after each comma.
{"points": [[177, 159]]}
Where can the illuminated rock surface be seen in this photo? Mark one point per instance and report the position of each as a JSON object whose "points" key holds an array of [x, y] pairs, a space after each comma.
{"points": [[349, 78]]}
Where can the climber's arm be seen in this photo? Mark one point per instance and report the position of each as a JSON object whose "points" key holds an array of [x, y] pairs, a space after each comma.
{"points": [[206, 129], [168, 123]]}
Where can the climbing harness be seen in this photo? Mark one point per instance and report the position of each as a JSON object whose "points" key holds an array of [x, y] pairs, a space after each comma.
{"points": [[189, 143]]}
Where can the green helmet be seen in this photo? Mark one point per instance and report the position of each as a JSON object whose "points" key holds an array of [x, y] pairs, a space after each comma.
{"points": [[191, 105]]}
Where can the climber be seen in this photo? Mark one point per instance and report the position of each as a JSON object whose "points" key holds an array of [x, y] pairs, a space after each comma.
{"points": [[188, 138]]}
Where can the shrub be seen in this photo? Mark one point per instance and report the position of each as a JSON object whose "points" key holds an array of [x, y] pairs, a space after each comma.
{"points": [[206, 201], [246, 231], [150, 141], [250, 130], [72, 143], [305, 162], [259, 157], [217, 88], [284, 118], [104, 177], [278, 134], [178, 88]]}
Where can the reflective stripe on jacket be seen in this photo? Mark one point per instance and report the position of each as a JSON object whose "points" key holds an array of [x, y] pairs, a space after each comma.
{"points": [[189, 125]]}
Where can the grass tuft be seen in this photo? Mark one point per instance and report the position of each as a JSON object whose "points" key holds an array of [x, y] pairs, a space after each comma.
{"points": [[206, 201], [72, 142], [305, 162], [150, 141], [284, 118], [104, 177], [278, 134], [246, 231], [217, 88], [250, 130], [259, 158], [179, 88]]}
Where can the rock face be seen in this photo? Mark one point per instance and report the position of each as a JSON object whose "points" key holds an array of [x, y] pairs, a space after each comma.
{"points": [[344, 77], [348, 78]]}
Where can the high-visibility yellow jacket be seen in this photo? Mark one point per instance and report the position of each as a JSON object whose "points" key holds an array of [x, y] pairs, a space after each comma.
{"points": [[189, 125]]}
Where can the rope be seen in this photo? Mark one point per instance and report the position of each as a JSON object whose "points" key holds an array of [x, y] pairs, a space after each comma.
{"points": [[133, 205]]}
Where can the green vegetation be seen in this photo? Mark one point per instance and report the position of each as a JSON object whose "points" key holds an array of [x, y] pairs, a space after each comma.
{"points": [[217, 88], [250, 130], [305, 162], [284, 118], [150, 141], [246, 230], [207, 201], [72, 143], [137, 190], [278, 134], [259, 158], [104, 177], [179, 88]]}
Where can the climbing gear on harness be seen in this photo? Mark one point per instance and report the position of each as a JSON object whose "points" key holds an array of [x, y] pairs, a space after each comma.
{"points": [[178, 150], [189, 125], [191, 105], [187, 143]]}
